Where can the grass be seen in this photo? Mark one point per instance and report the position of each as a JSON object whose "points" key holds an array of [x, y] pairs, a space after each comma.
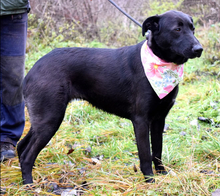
{"points": [[96, 152]]}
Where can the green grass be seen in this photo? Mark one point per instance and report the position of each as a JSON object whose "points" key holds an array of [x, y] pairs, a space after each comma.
{"points": [[191, 152]]}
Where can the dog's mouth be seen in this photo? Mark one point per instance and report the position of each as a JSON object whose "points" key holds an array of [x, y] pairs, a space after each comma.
{"points": [[191, 53], [194, 55]]}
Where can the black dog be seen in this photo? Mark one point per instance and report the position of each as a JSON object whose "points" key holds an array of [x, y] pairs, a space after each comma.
{"points": [[112, 80]]}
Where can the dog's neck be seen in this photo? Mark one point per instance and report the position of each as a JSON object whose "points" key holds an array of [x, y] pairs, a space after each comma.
{"points": [[165, 54], [163, 76]]}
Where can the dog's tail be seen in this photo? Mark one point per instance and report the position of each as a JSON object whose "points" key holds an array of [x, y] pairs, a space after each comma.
{"points": [[23, 89]]}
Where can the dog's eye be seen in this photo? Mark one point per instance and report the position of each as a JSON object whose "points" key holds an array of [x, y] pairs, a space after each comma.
{"points": [[178, 29]]}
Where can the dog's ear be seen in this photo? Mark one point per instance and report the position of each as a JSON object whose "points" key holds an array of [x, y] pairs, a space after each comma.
{"points": [[151, 23], [191, 18]]}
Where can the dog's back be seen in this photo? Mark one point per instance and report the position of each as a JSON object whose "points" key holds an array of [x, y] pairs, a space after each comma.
{"points": [[104, 77]]}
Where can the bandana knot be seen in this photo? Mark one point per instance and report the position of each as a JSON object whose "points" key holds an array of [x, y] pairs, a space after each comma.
{"points": [[163, 76]]}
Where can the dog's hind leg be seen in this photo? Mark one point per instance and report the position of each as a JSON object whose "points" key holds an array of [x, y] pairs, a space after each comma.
{"points": [[23, 147], [44, 126], [23, 143]]}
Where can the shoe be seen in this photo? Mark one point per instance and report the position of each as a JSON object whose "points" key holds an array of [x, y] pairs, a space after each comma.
{"points": [[7, 151]]}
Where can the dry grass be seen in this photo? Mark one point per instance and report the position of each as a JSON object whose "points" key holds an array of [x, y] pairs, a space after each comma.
{"points": [[115, 174], [94, 153]]}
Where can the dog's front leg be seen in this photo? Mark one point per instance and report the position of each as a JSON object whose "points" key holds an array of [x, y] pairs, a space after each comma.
{"points": [[141, 128], [156, 129]]}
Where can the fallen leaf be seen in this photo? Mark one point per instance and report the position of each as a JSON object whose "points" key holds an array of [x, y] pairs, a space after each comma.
{"points": [[134, 168], [182, 133], [194, 122], [70, 151], [206, 172], [69, 192], [95, 161], [216, 193]]}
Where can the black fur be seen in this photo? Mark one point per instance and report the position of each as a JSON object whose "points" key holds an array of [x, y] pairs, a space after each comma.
{"points": [[112, 80]]}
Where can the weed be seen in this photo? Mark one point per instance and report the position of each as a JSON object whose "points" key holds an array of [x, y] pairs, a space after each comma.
{"points": [[98, 148]]}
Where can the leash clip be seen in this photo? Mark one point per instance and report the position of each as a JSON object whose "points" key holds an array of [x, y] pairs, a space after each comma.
{"points": [[147, 34]]}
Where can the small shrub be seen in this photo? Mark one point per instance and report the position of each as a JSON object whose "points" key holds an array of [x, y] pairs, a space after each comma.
{"points": [[211, 43]]}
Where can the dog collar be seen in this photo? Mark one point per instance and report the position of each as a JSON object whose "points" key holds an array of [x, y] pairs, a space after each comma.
{"points": [[162, 76]]}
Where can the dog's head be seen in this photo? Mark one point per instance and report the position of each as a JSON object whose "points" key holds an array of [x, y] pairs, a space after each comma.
{"points": [[172, 37]]}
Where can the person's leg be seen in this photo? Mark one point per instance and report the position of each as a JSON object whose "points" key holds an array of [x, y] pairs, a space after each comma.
{"points": [[12, 64]]}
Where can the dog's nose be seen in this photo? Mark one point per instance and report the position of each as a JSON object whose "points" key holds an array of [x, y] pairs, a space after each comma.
{"points": [[197, 50]]}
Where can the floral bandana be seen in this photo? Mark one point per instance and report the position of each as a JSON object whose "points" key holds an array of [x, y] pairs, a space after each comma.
{"points": [[162, 76]]}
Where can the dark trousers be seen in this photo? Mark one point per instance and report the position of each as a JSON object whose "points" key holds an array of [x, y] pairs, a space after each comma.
{"points": [[13, 34]]}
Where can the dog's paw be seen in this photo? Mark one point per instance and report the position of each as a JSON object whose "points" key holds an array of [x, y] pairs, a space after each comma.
{"points": [[149, 179], [163, 172], [29, 187]]}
